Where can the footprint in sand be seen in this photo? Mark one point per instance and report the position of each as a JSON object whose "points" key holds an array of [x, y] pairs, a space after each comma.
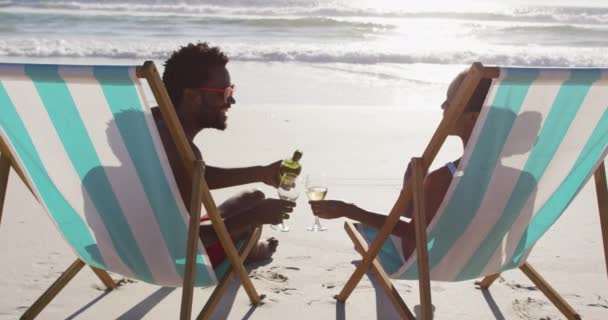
{"points": [[269, 275], [601, 303], [287, 268], [328, 285], [40, 264], [299, 258], [404, 286], [287, 291], [531, 308], [517, 286], [341, 265], [330, 301]]}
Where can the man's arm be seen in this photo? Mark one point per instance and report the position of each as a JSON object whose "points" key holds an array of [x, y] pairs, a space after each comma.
{"points": [[268, 211], [235, 226], [228, 177]]}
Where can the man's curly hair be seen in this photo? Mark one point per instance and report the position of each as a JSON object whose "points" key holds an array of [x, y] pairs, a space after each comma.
{"points": [[189, 67]]}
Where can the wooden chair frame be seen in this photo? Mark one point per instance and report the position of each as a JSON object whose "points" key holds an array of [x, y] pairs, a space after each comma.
{"points": [[200, 196], [413, 191]]}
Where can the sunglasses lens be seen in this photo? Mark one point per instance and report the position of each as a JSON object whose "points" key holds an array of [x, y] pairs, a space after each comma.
{"points": [[229, 93]]}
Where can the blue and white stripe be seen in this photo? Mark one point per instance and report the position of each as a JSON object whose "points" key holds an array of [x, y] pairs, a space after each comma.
{"points": [[540, 137], [88, 144]]}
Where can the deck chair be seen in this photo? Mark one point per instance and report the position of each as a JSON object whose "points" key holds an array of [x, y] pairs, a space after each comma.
{"points": [[83, 140], [515, 179]]}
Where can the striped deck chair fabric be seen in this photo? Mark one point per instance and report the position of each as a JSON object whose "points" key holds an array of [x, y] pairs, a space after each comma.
{"points": [[539, 138], [86, 140]]}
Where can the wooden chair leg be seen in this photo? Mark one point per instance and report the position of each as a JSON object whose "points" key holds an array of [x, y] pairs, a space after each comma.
{"points": [[543, 286], [379, 273], [224, 238], [374, 249], [5, 167], [105, 278], [217, 294], [191, 246], [424, 279], [602, 201], [486, 282], [53, 290]]}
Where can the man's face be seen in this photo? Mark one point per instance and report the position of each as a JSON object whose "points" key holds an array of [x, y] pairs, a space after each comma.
{"points": [[211, 108]]}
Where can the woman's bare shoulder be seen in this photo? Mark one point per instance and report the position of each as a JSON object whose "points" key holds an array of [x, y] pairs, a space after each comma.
{"points": [[438, 179]]}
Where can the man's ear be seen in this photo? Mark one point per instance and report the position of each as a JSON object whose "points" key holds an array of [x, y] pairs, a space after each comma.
{"points": [[191, 96]]}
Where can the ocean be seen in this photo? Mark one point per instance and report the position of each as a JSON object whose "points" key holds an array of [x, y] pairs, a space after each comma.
{"points": [[353, 32], [392, 45]]}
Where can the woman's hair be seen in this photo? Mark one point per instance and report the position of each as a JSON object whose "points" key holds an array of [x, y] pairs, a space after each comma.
{"points": [[479, 95]]}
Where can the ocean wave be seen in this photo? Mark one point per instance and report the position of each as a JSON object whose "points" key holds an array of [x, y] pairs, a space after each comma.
{"points": [[588, 59], [579, 36], [209, 20], [160, 50], [577, 15], [567, 29]]}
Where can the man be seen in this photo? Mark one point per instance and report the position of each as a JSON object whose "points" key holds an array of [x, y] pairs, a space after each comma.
{"points": [[201, 91]]}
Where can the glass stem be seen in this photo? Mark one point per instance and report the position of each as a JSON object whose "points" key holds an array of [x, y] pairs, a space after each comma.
{"points": [[317, 222]]}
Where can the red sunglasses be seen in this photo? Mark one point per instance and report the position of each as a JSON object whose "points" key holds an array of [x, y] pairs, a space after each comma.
{"points": [[228, 92]]}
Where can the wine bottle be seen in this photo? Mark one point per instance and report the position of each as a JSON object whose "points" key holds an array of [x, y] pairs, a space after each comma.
{"points": [[291, 165]]}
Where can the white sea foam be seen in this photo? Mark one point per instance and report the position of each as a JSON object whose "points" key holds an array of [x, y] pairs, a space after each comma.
{"points": [[159, 50]]}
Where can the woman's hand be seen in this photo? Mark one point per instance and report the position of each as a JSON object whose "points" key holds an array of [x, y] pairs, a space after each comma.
{"points": [[332, 209]]}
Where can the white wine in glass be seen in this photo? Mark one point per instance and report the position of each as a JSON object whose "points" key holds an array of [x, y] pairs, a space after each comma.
{"points": [[316, 193], [316, 189], [287, 191]]}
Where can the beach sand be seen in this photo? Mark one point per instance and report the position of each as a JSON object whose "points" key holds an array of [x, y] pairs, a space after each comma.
{"points": [[364, 149]]}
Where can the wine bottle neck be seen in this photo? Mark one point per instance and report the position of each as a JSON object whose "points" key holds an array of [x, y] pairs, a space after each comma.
{"points": [[296, 156]]}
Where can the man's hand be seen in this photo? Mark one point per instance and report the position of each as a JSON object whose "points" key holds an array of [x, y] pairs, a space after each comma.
{"points": [[271, 211], [332, 209], [270, 174]]}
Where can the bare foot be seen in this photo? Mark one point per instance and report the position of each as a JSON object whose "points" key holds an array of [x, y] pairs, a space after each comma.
{"points": [[263, 250]]}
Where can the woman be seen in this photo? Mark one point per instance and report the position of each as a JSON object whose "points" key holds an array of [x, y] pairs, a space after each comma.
{"points": [[436, 183]]}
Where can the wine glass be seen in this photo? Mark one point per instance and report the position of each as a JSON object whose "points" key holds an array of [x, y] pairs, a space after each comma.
{"points": [[288, 190], [316, 189]]}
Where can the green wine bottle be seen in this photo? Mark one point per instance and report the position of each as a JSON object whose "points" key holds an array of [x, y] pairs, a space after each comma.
{"points": [[291, 165]]}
